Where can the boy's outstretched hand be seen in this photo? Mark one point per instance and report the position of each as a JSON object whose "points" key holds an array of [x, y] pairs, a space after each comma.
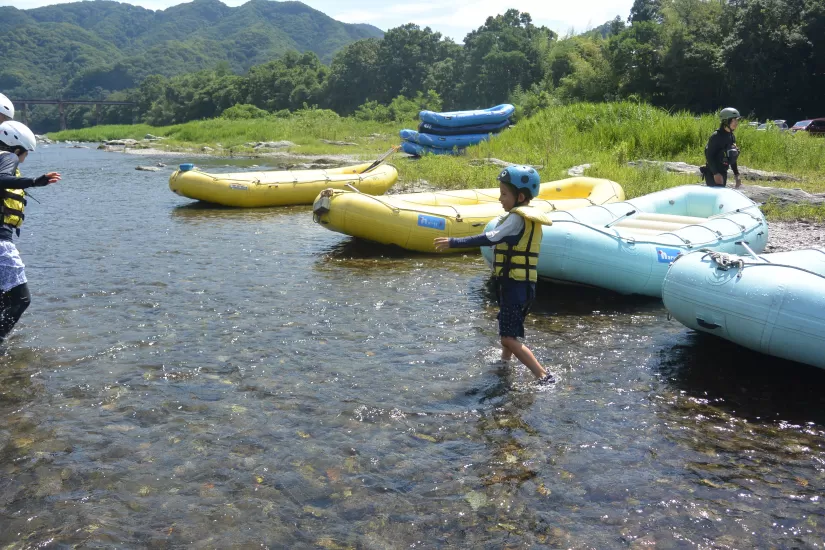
{"points": [[441, 243], [46, 179]]}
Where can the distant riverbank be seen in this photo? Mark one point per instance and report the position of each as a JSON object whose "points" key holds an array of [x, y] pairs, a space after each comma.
{"points": [[605, 136]]}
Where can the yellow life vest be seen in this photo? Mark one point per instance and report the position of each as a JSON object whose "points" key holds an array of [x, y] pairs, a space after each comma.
{"points": [[519, 262], [14, 202]]}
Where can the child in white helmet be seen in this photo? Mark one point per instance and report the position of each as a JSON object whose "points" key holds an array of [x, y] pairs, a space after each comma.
{"points": [[16, 142], [6, 109]]}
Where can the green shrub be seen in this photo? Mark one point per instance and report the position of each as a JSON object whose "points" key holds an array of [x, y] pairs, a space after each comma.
{"points": [[243, 111]]}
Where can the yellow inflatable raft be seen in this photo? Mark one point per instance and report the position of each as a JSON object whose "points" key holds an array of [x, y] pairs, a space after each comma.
{"points": [[279, 188], [413, 220]]}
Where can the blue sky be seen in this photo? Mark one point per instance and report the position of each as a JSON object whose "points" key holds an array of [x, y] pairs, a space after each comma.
{"points": [[453, 18]]}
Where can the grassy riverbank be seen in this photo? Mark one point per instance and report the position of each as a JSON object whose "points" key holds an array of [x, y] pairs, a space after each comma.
{"points": [[607, 136]]}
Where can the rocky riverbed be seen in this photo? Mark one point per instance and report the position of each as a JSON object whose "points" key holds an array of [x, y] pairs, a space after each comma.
{"points": [[793, 235]]}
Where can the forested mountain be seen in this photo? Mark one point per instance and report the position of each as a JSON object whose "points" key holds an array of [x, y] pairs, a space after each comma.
{"points": [[200, 60], [85, 49]]}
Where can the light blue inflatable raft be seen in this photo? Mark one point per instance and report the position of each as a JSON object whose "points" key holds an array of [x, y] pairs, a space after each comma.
{"points": [[499, 113], [628, 246], [443, 142], [771, 303]]}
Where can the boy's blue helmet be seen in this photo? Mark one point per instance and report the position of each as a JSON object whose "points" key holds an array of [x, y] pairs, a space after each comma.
{"points": [[522, 178]]}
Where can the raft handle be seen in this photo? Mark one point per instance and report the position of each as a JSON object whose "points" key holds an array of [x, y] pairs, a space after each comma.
{"points": [[704, 324], [620, 218], [744, 244]]}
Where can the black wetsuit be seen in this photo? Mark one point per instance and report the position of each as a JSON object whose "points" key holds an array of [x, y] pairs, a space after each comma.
{"points": [[720, 152]]}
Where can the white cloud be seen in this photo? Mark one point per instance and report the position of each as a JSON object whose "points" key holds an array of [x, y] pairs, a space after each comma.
{"points": [[458, 17], [454, 18]]}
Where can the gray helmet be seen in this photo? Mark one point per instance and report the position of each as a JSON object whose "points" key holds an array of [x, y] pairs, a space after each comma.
{"points": [[728, 113]]}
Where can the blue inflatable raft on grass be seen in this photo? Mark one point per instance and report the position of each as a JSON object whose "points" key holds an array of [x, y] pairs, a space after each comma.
{"points": [[436, 130], [497, 114], [420, 150], [443, 142]]}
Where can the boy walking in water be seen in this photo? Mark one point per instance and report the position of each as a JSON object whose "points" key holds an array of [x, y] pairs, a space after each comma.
{"points": [[517, 240]]}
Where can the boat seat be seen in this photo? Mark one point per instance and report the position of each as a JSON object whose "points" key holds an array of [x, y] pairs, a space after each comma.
{"points": [[670, 218], [636, 232], [657, 225]]}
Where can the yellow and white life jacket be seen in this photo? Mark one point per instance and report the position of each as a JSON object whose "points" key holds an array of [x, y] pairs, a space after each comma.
{"points": [[519, 262], [14, 202]]}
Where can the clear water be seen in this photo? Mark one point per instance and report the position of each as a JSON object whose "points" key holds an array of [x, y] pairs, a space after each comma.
{"points": [[207, 377]]}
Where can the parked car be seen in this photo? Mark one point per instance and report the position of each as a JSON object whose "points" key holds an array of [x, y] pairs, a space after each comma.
{"points": [[778, 124], [814, 126], [754, 124]]}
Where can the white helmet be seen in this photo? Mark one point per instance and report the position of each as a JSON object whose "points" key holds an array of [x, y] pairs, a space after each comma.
{"points": [[16, 134], [6, 106]]}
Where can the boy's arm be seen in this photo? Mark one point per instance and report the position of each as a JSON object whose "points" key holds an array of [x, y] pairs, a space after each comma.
{"points": [[8, 167], [508, 232], [11, 182], [471, 242]]}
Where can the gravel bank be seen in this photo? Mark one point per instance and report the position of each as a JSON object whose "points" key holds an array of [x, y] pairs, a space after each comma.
{"points": [[793, 235]]}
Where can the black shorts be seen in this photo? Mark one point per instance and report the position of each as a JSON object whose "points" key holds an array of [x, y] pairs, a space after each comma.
{"points": [[514, 299], [511, 321]]}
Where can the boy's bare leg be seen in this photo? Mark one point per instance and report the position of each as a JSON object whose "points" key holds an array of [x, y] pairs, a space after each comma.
{"points": [[523, 354]]}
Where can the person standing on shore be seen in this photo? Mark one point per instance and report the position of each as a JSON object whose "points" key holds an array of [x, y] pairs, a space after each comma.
{"points": [[721, 151], [16, 142]]}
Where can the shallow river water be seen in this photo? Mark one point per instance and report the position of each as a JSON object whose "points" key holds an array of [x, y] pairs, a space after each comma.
{"points": [[214, 378]]}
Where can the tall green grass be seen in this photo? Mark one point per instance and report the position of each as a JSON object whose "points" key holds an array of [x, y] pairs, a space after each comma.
{"points": [[305, 131], [605, 135]]}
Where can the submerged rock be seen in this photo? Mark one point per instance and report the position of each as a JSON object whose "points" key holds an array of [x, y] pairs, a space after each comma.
{"points": [[147, 168]]}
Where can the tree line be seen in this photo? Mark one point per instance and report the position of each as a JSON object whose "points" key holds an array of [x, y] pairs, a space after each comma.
{"points": [[765, 57]]}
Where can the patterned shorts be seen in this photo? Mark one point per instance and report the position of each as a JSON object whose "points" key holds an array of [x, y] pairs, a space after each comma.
{"points": [[12, 270], [511, 320]]}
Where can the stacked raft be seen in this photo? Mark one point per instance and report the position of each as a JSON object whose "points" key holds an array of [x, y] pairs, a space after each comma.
{"points": [[450, 133], [413, 220]]}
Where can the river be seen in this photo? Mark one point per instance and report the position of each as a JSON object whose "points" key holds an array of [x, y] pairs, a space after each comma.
{"points": [[213, 378]]}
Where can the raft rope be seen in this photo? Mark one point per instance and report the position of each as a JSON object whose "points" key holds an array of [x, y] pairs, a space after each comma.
{"points": [[395, 209], [633, 240], [725, 262]]}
